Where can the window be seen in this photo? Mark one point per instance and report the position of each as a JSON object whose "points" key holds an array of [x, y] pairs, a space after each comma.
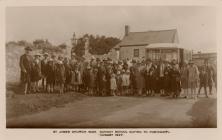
{"points": [[136, 53]]}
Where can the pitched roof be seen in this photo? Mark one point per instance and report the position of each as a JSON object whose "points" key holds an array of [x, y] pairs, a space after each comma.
{"points": [[149, 37]]}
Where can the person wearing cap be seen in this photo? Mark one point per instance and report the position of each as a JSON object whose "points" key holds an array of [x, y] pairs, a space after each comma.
{"points": [[36, 74], [193, 77], [25, 63], [44, 63]]}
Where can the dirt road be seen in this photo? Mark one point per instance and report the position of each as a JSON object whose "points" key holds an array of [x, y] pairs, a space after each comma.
{"points": [[111, 112]]}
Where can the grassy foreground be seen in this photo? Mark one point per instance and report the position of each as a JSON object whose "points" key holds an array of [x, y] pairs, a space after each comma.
{"points": [[19, 104]]}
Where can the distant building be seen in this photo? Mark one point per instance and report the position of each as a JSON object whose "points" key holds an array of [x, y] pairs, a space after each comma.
{"points": [[162, 44], [199, 58]]}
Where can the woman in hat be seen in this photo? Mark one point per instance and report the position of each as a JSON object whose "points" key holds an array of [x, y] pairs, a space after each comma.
{"points": [[36, 72]]}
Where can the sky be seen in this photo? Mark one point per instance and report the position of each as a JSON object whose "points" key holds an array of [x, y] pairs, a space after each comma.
{"points": [[196, 25]]}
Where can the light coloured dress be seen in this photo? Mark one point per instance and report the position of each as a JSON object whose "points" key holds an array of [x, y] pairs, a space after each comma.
{"points": [[113, 85], [193, 76]]}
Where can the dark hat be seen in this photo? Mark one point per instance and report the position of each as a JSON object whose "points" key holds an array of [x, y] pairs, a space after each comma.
{"points": [[28, 48]]}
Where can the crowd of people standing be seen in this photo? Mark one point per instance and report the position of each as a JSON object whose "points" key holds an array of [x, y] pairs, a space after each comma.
{"points": [[51, 74]]}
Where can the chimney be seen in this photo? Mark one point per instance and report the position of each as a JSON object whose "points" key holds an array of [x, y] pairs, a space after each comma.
{"points": [[127, 30]]}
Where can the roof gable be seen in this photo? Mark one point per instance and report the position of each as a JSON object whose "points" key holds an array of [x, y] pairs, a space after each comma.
{"points": [[150, 37]]}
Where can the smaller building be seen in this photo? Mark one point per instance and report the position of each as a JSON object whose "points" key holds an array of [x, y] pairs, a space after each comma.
{"points": [[155, 45], [199, 58]]}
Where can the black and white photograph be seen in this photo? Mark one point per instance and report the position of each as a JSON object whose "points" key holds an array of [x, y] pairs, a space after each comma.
{"points": [[111, 66]]}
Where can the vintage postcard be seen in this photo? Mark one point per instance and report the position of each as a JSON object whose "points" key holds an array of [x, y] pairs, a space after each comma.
{"points": [[111, 70]]}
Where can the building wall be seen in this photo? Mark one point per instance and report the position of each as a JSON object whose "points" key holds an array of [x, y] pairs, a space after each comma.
{"points": [[128, 52]]}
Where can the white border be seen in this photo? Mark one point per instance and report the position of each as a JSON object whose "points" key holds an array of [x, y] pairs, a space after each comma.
{"points": [[36, 134]]}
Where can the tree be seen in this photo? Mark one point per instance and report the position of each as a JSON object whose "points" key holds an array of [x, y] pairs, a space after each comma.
{"points": [[98, 44]]}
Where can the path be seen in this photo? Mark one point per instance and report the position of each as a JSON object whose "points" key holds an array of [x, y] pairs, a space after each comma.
{"points": [[112, 112]]}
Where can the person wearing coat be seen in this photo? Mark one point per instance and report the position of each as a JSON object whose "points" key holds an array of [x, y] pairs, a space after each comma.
{"points": [[68, 75], [147, 76], [167, 85], [101, 78], [193, 78], [203, 76], [36, 74], [44, 62], [50, 76], [175, 81], [141, 79], [25, 63], [153, 81], [184, 79], [210, 75], [160, 76], [60, 75]]}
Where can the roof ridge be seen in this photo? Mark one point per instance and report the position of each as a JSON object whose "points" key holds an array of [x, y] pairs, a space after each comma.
{"points": [[153, 31]]}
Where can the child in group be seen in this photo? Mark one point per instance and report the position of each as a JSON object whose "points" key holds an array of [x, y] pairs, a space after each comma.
{"points": [[36, 73], [203, 81], [119, 82], [125, 81], [113, 85]]}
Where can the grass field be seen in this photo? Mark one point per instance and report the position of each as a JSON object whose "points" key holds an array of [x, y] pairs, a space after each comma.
{"points": [[18, 104]]}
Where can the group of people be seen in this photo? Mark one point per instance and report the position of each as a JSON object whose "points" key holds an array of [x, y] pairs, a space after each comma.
{"points": [[106, 77]]}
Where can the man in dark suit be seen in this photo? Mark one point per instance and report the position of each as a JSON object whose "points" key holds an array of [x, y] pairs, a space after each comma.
{"points": [[26, 66]]}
